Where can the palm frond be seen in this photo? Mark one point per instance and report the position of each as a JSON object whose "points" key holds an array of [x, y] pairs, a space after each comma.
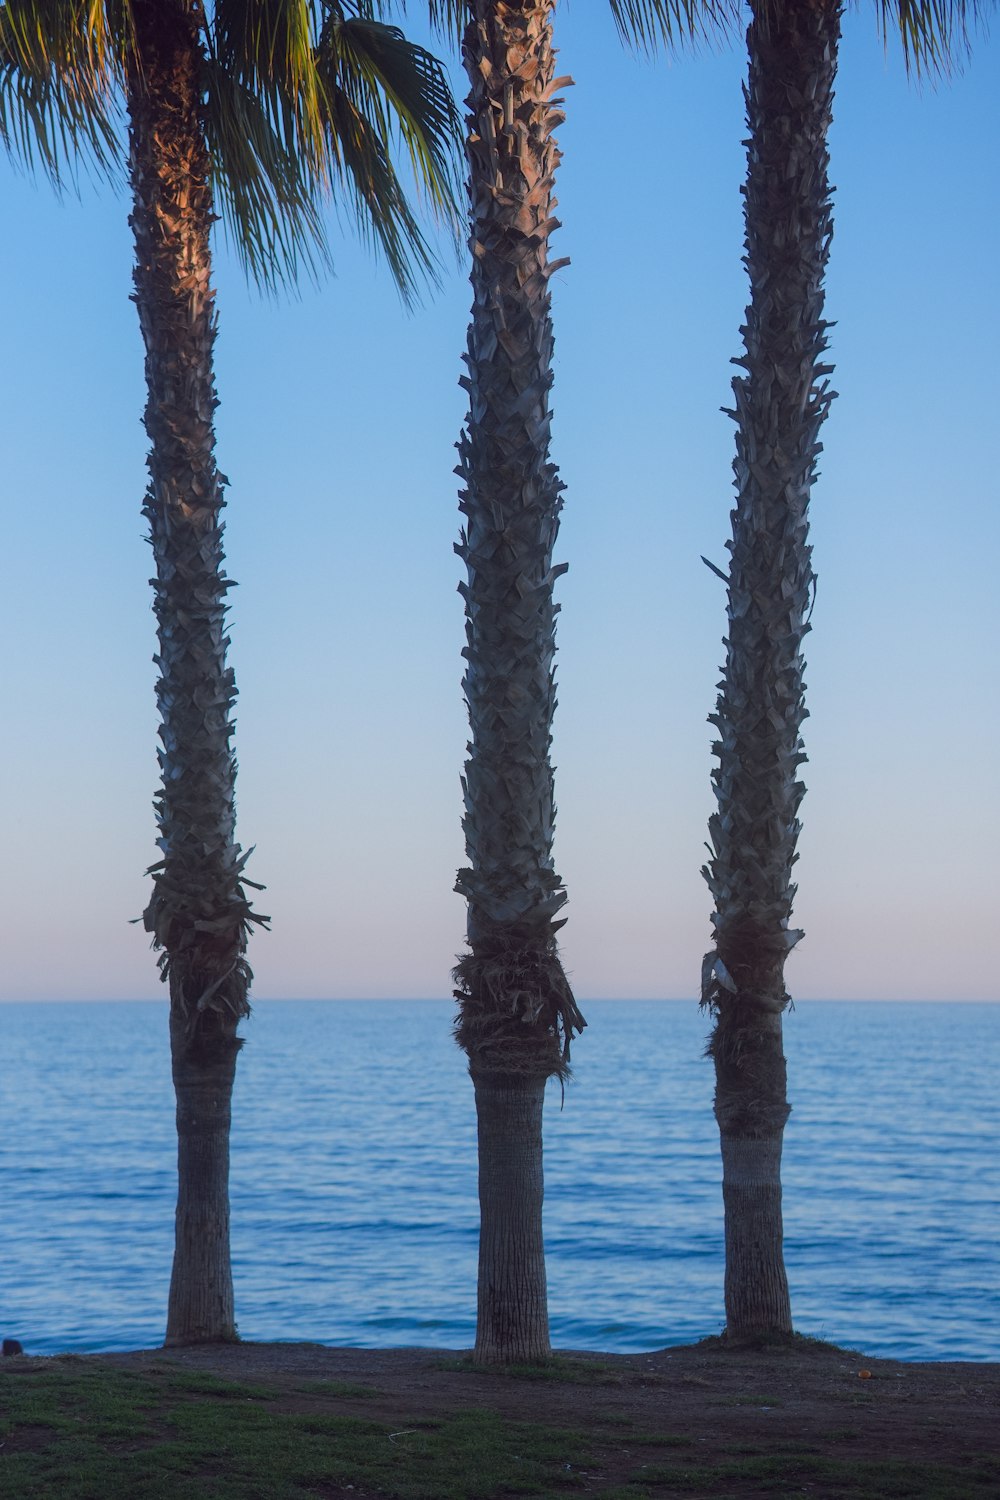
{"points": [[269, 46], [56, 33], [449, 17], [268, 205], [646, 23], [642, 22], [379, 90], [337, 94], [58, 103], [933, 33], [421, 109], [360, 162]]}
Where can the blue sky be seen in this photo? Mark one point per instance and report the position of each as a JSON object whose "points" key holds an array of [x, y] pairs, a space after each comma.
{"points": [[338, 418]]}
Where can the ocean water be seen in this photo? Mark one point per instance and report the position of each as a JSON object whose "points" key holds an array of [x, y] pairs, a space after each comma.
{"points": [[354, 1182]]}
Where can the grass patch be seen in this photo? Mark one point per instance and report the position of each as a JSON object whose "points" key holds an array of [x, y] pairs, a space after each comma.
{"points": [[72, 1434], [852, 1480], [343, 1390], [82, 1430], [116, 1405], [201, 1383]]}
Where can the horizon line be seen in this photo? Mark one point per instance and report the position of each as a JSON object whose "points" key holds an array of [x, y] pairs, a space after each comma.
{"points": [[444, 999]]}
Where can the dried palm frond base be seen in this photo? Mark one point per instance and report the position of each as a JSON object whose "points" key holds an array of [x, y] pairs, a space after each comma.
{"points": [[738, 1022], [746, 1007], [517, 1014], [206, 1038], [202, 938], [750, 1080]]}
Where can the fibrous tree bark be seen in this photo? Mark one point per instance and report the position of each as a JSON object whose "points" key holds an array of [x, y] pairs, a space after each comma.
{"points": [[517, 1014], [199, 914], [781, 400], [257, 109]]}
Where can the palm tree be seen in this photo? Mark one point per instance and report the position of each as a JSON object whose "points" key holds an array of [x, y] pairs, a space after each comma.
{"points": [[517, 1014], [254, 109], [249, 105], [781, 399]]}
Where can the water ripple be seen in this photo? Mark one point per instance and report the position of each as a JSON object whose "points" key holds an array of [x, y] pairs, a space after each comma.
{"points": [[354, 1178]]}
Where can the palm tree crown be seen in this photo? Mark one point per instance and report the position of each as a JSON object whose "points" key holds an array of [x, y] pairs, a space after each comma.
{"points": [[299, 101]]}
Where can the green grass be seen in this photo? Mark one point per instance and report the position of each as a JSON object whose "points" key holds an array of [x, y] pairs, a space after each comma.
{"points": [[81, 1430], [852, 1480], [200, 1383], [344, 1390], [85, 1432]]}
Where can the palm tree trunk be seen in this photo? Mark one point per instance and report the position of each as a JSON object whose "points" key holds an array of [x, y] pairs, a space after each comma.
{"points": [[517, 1013], [780, 404], [513, 1318], [201, 1307], [198, 913]]}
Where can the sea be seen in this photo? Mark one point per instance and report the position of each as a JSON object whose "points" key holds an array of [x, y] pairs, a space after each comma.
{"points": [[354, 1209]]}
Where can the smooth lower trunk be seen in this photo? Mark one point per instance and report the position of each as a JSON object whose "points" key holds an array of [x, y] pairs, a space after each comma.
{"points": [[200, 1307], [513, 1320], [751, 1107], [756, 1288]]}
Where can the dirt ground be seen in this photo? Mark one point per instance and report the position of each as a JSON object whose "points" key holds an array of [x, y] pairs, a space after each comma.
{"points": [[717, 1403]]}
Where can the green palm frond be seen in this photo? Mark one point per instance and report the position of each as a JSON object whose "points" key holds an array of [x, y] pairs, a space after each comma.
{"points": [[933, 32], [267, 205], [642, 22], [380, 89], [270, 45], [33, 123], [415, 88], [674, 22], [57, 100], [56, 33], [300, 97], [360, 163], [339, 92], [449, 17]]}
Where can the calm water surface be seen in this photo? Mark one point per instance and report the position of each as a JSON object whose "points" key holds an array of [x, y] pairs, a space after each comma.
{"points": [[354, 1188]]}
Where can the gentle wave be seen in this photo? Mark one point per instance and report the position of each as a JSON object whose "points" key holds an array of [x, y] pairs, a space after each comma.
{"points": [[354, 1178]]}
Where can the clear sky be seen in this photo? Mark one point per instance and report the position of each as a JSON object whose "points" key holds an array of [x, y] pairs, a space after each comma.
{"points": [[338, 418]]}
